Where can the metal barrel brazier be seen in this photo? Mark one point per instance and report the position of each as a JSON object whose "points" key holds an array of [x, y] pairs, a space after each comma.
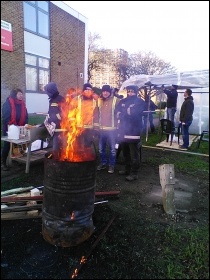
{"points": [[68, 201]]}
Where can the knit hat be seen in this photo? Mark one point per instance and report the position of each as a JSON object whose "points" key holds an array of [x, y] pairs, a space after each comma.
{"points": [[106, 88], [87, 85], [175, 86], [51, 89], [134, 88]]}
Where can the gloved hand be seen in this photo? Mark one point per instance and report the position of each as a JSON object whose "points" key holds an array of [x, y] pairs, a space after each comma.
{"points": [[129, 109]]}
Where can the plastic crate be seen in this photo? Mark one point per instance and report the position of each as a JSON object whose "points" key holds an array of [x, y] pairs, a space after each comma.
{"points": [[33, 133]]}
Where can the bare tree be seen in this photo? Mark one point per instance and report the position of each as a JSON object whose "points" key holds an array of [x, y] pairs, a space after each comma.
{"points": [[124, 66], [149, 64]]}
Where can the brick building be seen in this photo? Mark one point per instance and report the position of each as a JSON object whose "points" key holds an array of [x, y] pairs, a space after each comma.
{"points": [[107, 74], [42, 41]]}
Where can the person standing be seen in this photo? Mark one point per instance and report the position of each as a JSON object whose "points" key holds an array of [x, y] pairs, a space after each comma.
{"points": [[87, 110], [150, 108], [171, 102], [13, 112], [186, 117], [107, 129], [53, 120], [129, 112]]}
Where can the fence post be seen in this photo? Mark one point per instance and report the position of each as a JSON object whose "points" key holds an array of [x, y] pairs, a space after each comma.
{"points": [[167, 181]]}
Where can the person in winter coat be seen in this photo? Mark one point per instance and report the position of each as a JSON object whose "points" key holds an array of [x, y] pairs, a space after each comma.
{"points": [[13, 112], [54, 117], [148, 113], [171, 102], [87, 114], [129, 112], [107, 129], [186, 117]]}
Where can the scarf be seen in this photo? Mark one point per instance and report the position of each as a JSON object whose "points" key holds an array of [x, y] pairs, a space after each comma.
{"points": [[13, 120]]}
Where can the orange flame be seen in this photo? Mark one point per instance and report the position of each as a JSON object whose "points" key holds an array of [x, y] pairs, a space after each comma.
{"points": [[83, 260], [74, 120], [75, 273], [72, 216]]}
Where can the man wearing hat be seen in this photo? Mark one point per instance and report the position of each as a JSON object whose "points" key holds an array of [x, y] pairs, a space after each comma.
{"points": [[171, 102], [107, 129], [129, 112], [54, 114]]}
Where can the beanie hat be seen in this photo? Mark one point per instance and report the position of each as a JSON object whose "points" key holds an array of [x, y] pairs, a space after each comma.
{"points": [[51, 89], [106, 88], [87, 85], [175, 86], [134, 88]]}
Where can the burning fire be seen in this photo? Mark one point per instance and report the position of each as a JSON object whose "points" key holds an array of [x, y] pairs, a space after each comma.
{"points": [[75, 117], [72, 216], [75, 273]]}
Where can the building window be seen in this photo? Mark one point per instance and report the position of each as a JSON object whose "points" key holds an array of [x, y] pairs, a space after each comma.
{"points": [[36, 17], [37, 72]]}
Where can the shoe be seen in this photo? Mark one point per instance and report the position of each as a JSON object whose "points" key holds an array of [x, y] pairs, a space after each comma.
{"points": [[4, 167], [123, 172], [101, 167], [182, 148], [111, 169], [131, 177]]}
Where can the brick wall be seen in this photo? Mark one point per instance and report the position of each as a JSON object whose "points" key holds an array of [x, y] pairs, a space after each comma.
{"points": [[12, 63], [68, 48]]}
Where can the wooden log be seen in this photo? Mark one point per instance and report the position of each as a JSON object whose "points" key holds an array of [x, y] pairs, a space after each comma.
{"points": [[22, 198], [167, 181]]}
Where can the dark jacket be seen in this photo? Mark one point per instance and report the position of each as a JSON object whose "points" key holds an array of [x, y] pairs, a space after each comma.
{"points": [[129, 112], [7, 113], [55, 113], [187, 108], [172, 96]]}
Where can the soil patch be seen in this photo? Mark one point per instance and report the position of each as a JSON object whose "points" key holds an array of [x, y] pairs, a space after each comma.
{"points": [[128, 247]]}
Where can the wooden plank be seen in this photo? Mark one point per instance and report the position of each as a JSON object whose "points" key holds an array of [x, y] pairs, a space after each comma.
{"points": [[40, 197]]}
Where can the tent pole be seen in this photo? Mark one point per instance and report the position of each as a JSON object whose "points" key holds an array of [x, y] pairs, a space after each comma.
{"points": [[148, 109]]}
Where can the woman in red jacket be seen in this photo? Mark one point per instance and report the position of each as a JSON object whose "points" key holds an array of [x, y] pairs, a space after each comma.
{"points": [[13, 112]]}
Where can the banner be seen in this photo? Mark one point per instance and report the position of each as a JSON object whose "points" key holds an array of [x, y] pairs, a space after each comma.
{"points": [[6, 36]]}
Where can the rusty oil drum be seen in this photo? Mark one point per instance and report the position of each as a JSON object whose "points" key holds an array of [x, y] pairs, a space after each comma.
{"points": [[68, 201]]}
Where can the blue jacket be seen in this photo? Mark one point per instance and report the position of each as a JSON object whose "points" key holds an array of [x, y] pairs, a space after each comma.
{"points": [[129, 113]]}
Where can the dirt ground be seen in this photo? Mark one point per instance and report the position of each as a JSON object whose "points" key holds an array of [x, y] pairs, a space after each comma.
{"points": [[109, 251]]}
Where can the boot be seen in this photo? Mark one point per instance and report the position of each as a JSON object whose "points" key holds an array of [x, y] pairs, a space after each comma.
{"points": [[131, 177], [4, 167], [124, 172]]}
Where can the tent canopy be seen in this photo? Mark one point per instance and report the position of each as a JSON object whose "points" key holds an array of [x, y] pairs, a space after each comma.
{"points": [[190, 79]]}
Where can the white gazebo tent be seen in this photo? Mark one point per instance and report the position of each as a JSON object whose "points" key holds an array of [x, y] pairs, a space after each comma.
{"points": [[198, 81]]}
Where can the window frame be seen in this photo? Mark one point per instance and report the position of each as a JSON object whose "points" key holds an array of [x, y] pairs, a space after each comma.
{"points": [[37, 10], [38, 68]]}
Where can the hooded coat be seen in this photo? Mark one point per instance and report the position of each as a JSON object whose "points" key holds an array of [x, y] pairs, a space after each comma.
{"points": [[55, 103]]}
